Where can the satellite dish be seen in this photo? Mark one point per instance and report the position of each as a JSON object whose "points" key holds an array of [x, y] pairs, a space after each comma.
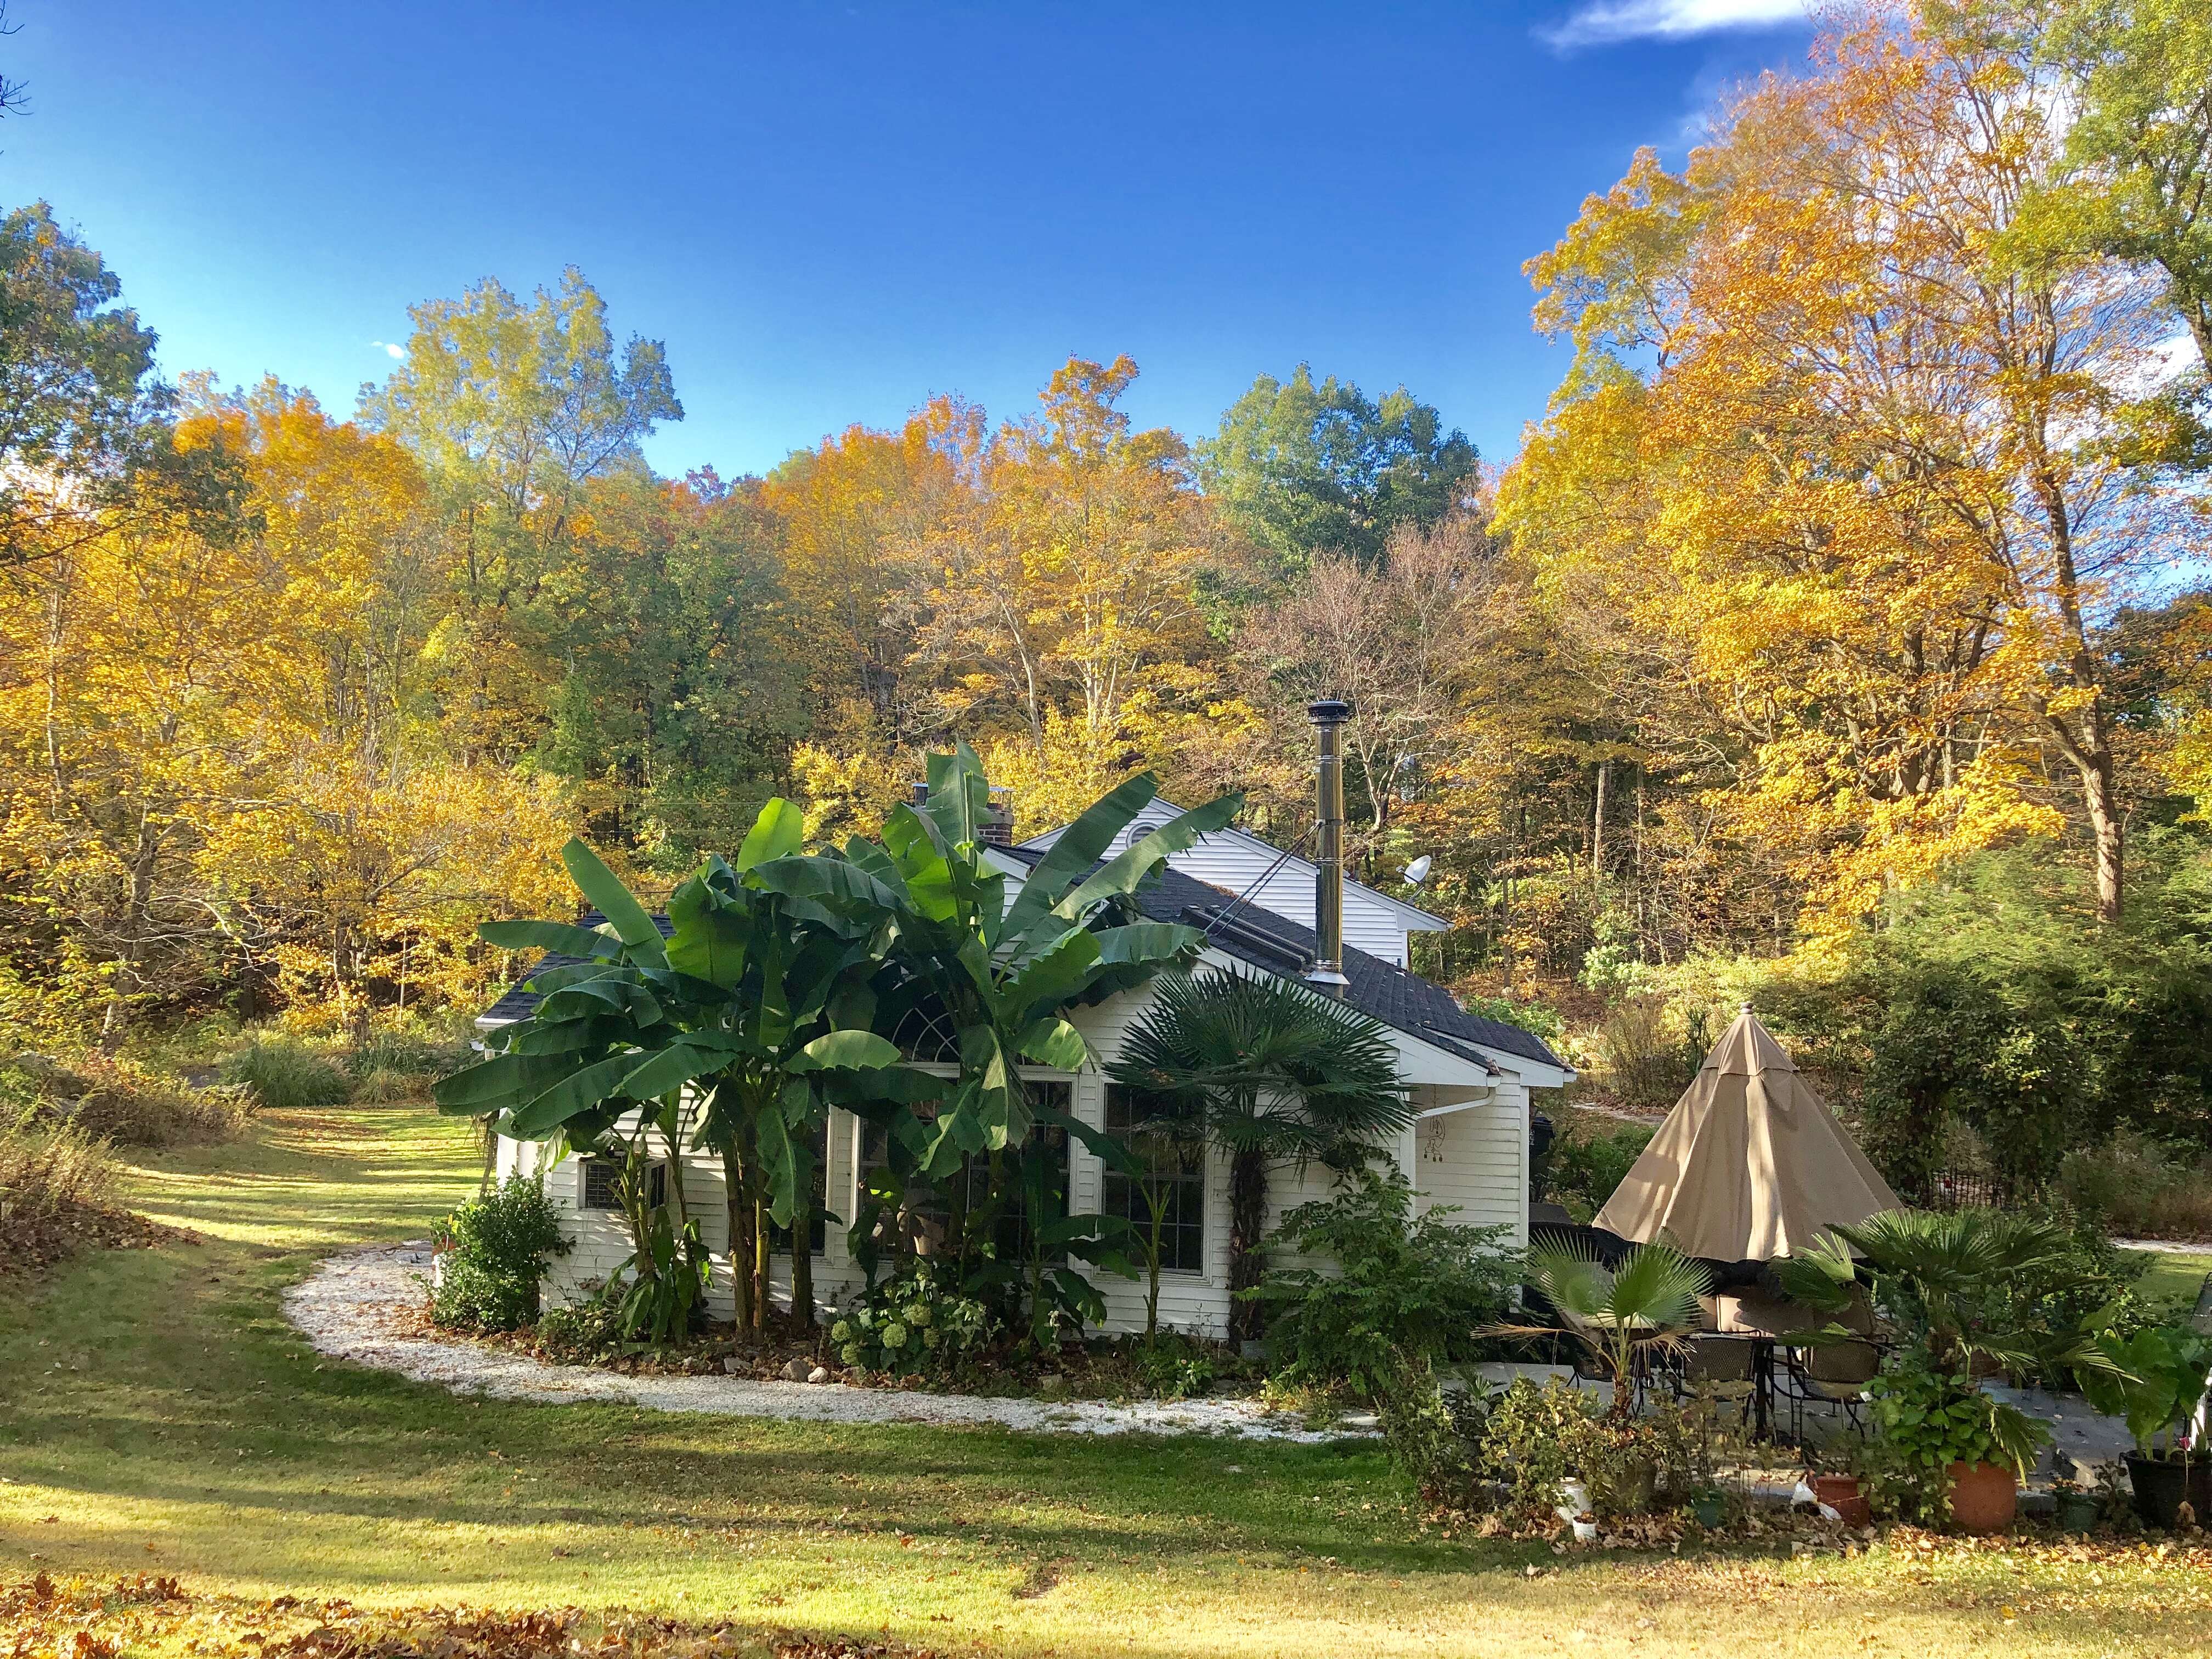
{"points": [[1418, 870]]}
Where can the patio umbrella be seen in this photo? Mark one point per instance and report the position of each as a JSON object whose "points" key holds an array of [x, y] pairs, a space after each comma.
{"points": [[1750, 1166]]}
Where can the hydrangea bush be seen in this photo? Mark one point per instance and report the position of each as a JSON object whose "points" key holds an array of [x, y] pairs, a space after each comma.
{"points": [[912, 1326]]}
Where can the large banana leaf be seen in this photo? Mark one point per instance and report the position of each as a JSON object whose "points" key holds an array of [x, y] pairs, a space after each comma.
{"points": [[1081, 845], [630, 919]]}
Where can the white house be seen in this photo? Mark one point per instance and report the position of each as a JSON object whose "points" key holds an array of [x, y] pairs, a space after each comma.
{"points": [[1469, 1078]]}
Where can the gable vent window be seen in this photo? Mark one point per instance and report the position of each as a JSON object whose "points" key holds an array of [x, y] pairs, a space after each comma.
{"points": [[602, 1184]]}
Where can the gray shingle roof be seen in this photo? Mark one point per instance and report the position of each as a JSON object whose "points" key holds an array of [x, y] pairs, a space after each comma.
{"points": [[1399, 997]]}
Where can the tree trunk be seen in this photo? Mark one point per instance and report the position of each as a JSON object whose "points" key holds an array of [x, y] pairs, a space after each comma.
{"points": [[802, 1265], [760, 1264], [739, 1214], [1597, 822], [1247, 1226]]}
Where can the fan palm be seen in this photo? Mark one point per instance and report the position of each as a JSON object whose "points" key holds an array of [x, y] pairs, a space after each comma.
{"points": [[1271, 1072], [1941, 1276], [1622, 1315]]}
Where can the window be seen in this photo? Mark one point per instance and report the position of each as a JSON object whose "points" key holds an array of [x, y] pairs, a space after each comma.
{"points": [[602, 1184], [1174, 1176], [933, 1212]]}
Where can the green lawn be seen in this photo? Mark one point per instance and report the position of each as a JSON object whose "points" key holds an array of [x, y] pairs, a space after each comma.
{"points": [[2175, 1276], [156, 1415]]}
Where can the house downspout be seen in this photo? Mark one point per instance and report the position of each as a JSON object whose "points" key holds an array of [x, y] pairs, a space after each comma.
{"points": [[1327, 975]]}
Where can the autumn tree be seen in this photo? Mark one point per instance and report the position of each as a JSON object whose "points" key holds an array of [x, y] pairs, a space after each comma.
{"points": [[1860, 463], [514, 410]]}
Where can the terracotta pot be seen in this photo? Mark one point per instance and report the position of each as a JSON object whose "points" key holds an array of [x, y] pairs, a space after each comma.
{"points": [[1984, 1497], [1841, 1493]]}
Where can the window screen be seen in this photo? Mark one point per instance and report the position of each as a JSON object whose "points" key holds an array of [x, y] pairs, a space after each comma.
{"points": [[1173, 1178]]}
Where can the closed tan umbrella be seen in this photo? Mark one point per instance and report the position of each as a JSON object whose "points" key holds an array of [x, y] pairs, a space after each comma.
{"points": [[1750, 1166]]}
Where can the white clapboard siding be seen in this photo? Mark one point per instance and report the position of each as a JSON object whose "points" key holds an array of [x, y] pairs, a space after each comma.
{"points": [[1470, 1151]]}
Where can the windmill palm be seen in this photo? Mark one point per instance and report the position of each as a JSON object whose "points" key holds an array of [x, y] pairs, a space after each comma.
{"points": [[1271, 1072], [1622, 1314]]}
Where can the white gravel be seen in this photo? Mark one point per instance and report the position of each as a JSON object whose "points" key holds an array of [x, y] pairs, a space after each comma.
{"points": [[364, 1305]]}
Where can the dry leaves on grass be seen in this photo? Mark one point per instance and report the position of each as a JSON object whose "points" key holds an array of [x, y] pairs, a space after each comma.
{"points": [[44, 1618], [32, 1244]]}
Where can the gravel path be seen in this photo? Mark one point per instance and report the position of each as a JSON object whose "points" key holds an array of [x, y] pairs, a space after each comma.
{"points": [[362, 1306]]}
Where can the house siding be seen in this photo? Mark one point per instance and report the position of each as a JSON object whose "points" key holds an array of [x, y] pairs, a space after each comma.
{"points": [[1471, 1154]]}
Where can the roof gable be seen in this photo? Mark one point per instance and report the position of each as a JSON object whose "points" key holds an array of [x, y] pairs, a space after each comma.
{"points": [[1411, 917]]}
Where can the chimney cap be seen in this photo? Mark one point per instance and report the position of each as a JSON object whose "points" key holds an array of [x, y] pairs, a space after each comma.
{"points": [[1329, 711]]}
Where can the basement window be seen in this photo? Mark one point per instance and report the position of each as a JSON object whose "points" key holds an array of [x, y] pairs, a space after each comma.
{"points": [[602, 1184]]}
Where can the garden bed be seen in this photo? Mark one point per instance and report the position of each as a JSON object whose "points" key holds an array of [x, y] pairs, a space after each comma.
{"points": [[366, 1306]]}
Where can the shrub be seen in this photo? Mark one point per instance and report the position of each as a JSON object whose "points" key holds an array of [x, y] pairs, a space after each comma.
{"points": [[1407, 1289], [46, 1168], [284, 1075], [2139, 1188], [1644, 1059], [1435, 1439], [915, 1324], [589, 1330], [494, 1256], [405, 1054], [1531, 1438], [1581, 1170], [1172, 1367], [121, 1100]]}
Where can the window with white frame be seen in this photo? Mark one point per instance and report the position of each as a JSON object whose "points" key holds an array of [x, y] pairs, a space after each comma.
{"points": [[602, 1184], [931, 1209], [1171, 1184]]}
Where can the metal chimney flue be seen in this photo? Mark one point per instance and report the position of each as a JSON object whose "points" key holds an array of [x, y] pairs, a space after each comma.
{"points": [[1328, 716]]}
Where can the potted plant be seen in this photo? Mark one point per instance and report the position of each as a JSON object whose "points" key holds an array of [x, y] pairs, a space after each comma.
{"points": [[2155, 1380], [1835, 1482], [2077, 1509], [1941, 1281], [1968, 1449]]}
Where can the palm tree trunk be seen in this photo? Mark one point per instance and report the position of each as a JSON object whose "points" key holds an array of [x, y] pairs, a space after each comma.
{"points": [[1247, 1226]]}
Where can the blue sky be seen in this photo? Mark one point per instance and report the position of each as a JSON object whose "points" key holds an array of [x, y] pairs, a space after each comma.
{"points": [[832, 211]]}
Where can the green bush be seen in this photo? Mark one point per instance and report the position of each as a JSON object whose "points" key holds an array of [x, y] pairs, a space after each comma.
{"points": [[1173, 1367], [1435, 1439], [284, 1075], [402, 1053], [915, 1324], [495, 1254], [1581, 1171], [1407, 1289]]}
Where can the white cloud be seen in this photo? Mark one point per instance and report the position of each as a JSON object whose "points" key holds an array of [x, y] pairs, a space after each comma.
{"points": [[397, 354], [1604, 21]]}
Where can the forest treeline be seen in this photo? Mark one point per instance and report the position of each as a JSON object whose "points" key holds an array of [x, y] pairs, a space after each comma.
{"points": [[1860, 547]]}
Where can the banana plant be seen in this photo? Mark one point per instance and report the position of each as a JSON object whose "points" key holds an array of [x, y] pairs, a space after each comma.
{"points": [[755, 1008], [997, 975]]}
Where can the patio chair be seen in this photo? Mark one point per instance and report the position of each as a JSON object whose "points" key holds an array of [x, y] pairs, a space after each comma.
{"points": [[1832, 1374], [2200, 1316], [1724, 1367]]}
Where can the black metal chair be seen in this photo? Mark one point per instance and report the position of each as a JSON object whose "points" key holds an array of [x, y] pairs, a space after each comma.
{"points": [[1720, 1367], [1834, 1374]]}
